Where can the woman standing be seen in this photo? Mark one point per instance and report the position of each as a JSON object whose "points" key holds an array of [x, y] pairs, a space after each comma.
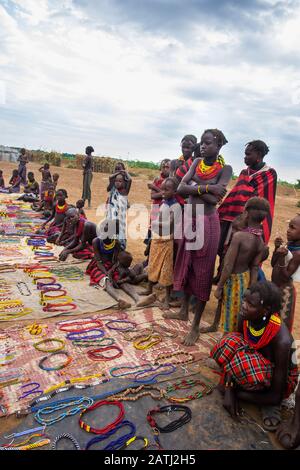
{"points": [[87, 175], [181, 165], [23, 160], [205, 185], [258, 179]]}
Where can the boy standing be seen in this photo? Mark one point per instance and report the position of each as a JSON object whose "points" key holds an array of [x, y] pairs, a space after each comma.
{"points": [[161, 257], [241, 263]]}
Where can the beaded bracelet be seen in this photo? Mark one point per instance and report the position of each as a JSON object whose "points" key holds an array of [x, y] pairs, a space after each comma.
{"points": [[101, 343], [110, 426], [21, 286], [62, 366], [50, 340], [59, 301], [47, 296], [108, 325], [82, 335], [48, 287], [69, 326], [97, 354], [58, 307], [65, 436], [147, 342]]}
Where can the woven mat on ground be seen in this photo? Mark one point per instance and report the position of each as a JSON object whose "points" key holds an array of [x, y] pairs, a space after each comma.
{"points": [[18, 343], [86, 298]]}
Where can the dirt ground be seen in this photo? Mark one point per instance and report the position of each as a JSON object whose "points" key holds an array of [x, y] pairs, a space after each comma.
{"points": [[71, 180]]}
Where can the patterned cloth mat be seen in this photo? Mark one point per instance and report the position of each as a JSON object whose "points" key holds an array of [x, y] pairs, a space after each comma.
{"points": [[17, 347], [86, 298]]}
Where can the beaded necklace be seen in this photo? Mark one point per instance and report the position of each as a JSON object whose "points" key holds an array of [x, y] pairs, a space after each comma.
{"points": [[189, 357], [187, 384], [119, 443], [176, 424], [159, 370], [147, 342], [293, 247], [108, 427], [208, 172], [78, 404]]}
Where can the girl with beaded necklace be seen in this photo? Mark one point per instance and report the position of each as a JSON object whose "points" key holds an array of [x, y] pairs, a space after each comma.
{"points": [[58, 216], [258, 362], [205, 185]]}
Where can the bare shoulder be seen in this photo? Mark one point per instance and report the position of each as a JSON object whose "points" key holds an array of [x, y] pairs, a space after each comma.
{"points": [[283, 339]]}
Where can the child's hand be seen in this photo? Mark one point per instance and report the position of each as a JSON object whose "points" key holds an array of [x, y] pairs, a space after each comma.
{"points": [[218, 293], [278, 242], [283, 251]]}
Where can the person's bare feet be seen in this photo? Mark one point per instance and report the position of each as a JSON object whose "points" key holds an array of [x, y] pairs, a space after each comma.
{"points": [[288, 434], [122, 304], [181, 315], [147, 301], [209, 329], [191, 338], [211, 363]]}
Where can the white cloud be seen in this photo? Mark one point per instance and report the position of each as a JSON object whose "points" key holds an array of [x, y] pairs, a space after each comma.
{"points": [[76, 78]]}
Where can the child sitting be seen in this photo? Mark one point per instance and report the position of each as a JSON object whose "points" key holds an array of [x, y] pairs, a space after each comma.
{"points": [[58, 214], [31, 189], [161, 257], [286, 270], [14, 182], [2, 184], [241, 263], [80, 206]]}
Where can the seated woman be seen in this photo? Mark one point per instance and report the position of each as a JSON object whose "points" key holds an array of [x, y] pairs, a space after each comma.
{"points": [[31, 189], [58, 216], [257, 360], [14, 182], [80, 243]]}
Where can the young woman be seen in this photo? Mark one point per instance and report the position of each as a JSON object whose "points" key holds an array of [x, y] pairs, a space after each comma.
{"points": [[205, 185], [87, 175], [257, 362], [58, 216]]}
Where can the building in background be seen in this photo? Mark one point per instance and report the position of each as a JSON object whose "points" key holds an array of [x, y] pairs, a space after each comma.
{"points": [[9, 154]]}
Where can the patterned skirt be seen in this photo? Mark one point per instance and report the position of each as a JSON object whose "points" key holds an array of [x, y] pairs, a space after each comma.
{"points": [[247, 367], [233, 292], [86, 253], [160, 267], [194, 269]]}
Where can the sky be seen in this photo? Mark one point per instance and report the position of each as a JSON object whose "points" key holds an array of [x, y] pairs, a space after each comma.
{"points": [[132, 77]]}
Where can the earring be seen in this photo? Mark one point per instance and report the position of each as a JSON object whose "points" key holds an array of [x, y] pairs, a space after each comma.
{"points": [[264, 318]]}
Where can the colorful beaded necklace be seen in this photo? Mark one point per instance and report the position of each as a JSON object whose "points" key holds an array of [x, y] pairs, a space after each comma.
{"points": [[208, 172]]}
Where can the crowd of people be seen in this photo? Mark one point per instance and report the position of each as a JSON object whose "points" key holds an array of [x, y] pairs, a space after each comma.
{"points": [[255, 356]]}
